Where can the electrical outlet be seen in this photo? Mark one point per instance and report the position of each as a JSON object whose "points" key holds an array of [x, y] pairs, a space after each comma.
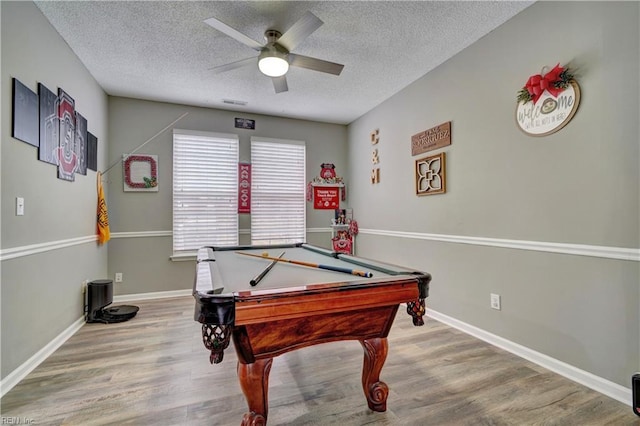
{"points": [[118, 277], [495, 301], [84, 286]]}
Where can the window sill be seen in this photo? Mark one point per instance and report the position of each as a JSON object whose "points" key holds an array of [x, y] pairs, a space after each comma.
{"points": [[183, 257]]}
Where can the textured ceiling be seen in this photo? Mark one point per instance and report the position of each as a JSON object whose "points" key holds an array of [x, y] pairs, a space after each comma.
{"points": [[163, 51]]}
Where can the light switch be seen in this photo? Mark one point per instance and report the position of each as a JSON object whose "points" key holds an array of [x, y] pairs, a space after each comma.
{"points": [[19, 206]]}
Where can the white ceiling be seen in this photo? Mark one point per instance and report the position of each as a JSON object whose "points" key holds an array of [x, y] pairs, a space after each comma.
{"points": [[163, 51]]}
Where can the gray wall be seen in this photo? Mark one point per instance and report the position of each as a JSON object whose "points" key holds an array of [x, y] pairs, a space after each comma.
{"points": [[579, 186], [144, 259], [41, 279]]}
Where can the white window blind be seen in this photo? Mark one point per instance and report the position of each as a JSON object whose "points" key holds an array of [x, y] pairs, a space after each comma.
{"points": [[205, 189], [277, 191]]}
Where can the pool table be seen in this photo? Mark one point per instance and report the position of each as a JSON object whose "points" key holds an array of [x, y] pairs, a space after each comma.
{"points": [[294, 306]]}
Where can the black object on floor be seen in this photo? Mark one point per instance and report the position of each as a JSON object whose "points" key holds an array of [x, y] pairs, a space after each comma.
{"points": [[635, 386], [99, 296]]}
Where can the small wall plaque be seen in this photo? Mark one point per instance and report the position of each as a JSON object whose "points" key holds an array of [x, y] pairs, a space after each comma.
{"points": [[245, 123], [326, 197], [434, 138]]}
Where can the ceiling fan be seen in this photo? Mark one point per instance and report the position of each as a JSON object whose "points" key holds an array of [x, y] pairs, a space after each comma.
{"points": [[275, 55]]}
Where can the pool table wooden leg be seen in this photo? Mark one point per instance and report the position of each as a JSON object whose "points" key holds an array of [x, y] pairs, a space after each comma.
{"points": [[375, 354], [254, 381]]}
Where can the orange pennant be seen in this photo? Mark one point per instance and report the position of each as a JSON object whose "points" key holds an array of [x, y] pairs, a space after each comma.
{"points": [[104, 234]]}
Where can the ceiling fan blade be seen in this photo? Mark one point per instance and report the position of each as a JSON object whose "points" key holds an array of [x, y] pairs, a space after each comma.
{"points": [[280, 84], [233, 33], [233, 65], [299, 31], [315, 64]]}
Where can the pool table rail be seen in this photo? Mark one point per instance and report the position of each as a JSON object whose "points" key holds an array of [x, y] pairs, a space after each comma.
{"points": [[320, 299]]}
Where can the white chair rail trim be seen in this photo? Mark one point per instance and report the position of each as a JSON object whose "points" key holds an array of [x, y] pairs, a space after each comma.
{"points": [[619, 253], [14, 252]]}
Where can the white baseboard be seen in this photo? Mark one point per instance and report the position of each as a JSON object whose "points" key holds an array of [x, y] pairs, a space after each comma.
{"points": [[606, 387], [154, 295], [28, 366]]}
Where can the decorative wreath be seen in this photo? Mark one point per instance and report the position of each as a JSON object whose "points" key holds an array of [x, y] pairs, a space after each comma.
{"points": [[148, 182], [555, 81]]}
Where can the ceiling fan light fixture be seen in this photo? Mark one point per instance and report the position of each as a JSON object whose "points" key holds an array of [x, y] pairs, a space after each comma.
{"points": [[273, 65]]}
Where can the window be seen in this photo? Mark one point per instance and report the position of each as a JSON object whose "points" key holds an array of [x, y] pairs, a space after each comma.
{"points": [[205, 189], [277, 191]]}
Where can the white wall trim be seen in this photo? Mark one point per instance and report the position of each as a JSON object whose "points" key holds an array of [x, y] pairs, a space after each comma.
{"points": [[606, 387], [619, 253], [142, 234], [154, 295], [29, 365], [184, 256], [14, 252]]}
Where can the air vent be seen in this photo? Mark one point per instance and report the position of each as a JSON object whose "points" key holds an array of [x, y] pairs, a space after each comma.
{"points": [[234, 102]]}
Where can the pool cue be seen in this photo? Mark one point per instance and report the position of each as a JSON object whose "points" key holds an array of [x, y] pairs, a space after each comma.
{"points": [[313, 265], [261, 275]]}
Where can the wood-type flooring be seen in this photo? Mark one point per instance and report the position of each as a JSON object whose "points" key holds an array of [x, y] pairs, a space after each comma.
{"points": [[154, 370]]}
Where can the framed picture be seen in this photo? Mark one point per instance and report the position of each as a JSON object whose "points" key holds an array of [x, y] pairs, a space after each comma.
{"points": [[81, 143], [430, 175], [48, 122], [92, 152], [342, 216], [66, 153], [25, 114]]}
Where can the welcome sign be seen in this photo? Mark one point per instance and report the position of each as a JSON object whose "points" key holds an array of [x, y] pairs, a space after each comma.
{"points": [[547, 102], [550, 113]]}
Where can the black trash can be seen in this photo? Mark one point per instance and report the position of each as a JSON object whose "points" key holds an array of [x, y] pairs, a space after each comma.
{"points": [[99, 296]]}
